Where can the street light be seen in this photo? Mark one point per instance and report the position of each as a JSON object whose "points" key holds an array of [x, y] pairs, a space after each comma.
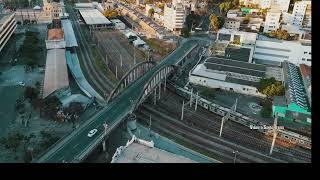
{"points": [[235, 155]]}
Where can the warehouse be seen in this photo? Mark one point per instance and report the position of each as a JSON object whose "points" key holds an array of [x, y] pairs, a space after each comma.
{"points": [[95, 19]]}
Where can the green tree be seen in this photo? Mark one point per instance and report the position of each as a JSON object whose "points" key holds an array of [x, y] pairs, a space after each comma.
{"points": [[111, 14], [151, 12], [31, 93], [270, 87], [214, 24], [185, 32], [266, 110]]}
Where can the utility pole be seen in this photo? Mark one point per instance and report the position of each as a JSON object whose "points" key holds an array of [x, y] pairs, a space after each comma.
{"points": [[159, 91], [117, 71], [235, 156], [197, 97], [104, 135], [182, 110], [155, 97], [226, 117], [150, 126], [191, 97], [275, 132], [121, 64]]}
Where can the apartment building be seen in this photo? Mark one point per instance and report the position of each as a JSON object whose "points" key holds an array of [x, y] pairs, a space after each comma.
{"points": [[272, 21], [174, 16], [265, 4], [7, 27], [302, 14]]}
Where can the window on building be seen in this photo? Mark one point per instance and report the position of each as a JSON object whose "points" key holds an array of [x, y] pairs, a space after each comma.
{"points": [[308, 59], [305, 52], [303, 59], [310, 53]]}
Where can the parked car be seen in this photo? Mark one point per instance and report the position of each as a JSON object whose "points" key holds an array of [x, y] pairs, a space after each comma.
{"points": [[21, 83]]}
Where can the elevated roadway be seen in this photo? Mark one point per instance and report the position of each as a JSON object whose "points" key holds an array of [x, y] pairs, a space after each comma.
{"points": [[76, 146]]}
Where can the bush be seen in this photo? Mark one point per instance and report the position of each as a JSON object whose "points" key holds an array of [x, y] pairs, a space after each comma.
{"points": [[31, 93], [266, 108]]}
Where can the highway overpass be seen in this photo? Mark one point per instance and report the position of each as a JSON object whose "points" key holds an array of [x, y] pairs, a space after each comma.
{"points": [[77, 146]]}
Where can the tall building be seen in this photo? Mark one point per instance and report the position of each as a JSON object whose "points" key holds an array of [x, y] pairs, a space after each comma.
{"points": [[272, 20], [302, 14], [7, 27], [283, 4], [174, 16]]}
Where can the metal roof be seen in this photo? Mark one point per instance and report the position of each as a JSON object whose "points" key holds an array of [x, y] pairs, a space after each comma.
{"points": [[56, 74], [69, 35], [93, 16]]}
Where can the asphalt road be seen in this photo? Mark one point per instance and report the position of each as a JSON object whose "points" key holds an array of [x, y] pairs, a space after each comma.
{"points": [[78, 141]]}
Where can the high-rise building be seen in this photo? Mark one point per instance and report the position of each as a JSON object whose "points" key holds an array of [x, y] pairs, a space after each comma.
{"points": [[272, 20], [174, 16], [302, 14]]}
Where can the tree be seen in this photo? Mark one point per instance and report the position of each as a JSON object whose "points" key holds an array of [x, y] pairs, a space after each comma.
{"points": [[185, 32], [216, 22], [148, 1], [31, 93], [266, 108], [151, 12], [220, 22], [270, 87], [111, 14]]}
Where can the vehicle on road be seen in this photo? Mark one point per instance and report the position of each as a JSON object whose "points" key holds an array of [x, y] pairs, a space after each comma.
{"points": [[21, 83], [92, 132]]}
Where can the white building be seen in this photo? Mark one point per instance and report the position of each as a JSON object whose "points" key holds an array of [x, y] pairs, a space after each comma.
{"points": [[276, 51], [246, 38], [266, 4], [231, 23], [151, 6], [118, 24], [282, 4], [302, 13], [237, 76], [7, 27], [174, 16], [272, 21]]}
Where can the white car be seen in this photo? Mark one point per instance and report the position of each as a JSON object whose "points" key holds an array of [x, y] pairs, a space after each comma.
{"points": [[92, 132], [21, 83]]}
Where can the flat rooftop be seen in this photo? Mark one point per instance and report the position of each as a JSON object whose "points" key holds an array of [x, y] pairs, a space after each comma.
{"points": [[4, 18], [138, 153], [93, 16], [55, 34], [56, 73]]}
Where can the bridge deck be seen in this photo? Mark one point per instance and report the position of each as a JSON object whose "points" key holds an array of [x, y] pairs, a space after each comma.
{"points": [[78, 142]]}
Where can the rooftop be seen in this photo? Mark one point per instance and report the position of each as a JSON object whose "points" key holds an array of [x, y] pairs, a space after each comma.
{"points": [[4, 18], [305, 70], [93, 16], [135, 152], [55, 34], [70, 37], [56, 73]]}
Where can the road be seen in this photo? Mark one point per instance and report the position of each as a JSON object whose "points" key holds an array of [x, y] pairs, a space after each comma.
{"points": [[77, 142]]}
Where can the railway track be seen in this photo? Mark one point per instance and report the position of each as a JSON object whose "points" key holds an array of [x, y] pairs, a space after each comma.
{"points": [[219, 147], [97, 78], [232, 131]]}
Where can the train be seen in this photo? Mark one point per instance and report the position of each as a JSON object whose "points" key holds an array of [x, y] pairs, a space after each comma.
{"points": [[284, 137]]}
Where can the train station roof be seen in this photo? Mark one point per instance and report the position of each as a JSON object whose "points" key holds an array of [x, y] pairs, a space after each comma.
{"points": [[70, 37], [93, 17], [56, 73]]}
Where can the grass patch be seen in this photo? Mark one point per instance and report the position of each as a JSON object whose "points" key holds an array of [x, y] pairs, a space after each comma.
{"points": [[160, 47], [103, 67]]}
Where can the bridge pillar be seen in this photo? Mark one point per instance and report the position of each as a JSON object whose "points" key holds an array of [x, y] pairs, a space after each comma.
{"points": [[165, 83], [159, 91], [104, 145], [182, 110], [191, 97]]}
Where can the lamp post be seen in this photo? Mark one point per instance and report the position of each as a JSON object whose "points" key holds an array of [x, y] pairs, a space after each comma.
{"points": [[235, 156]]}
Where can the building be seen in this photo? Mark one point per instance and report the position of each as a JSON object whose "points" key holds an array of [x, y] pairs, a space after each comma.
{"points": [[302, 13], [245, 38], [239, 53], [95, 19], [231, 75], [118, 24], [306, 77], [69, 36], [231, 23], [272, 21], [56, 9], [283, 5], [273, 52], [141, 151], [174, 16], [151, 6], [7, 26], [294, 105]]}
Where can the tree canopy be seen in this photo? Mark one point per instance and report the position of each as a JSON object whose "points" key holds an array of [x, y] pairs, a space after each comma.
{"points": [[111, 14], [151, 12], [216, 23], [270, 87], [280, 34]]}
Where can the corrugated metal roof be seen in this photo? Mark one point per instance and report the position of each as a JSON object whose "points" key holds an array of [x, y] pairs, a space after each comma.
{"points": [[56, 74], [70, 37], [93, 16]]}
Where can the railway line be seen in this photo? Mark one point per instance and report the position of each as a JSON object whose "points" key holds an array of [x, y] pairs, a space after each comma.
{"points": [[232, 132], [97, 78]]}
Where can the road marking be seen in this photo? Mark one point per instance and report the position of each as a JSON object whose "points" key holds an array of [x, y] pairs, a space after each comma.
{"points": [[75, 146]]}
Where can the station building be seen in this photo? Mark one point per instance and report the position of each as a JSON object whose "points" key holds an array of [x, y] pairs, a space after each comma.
{"points": [[94, 19], [294, 106]]}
